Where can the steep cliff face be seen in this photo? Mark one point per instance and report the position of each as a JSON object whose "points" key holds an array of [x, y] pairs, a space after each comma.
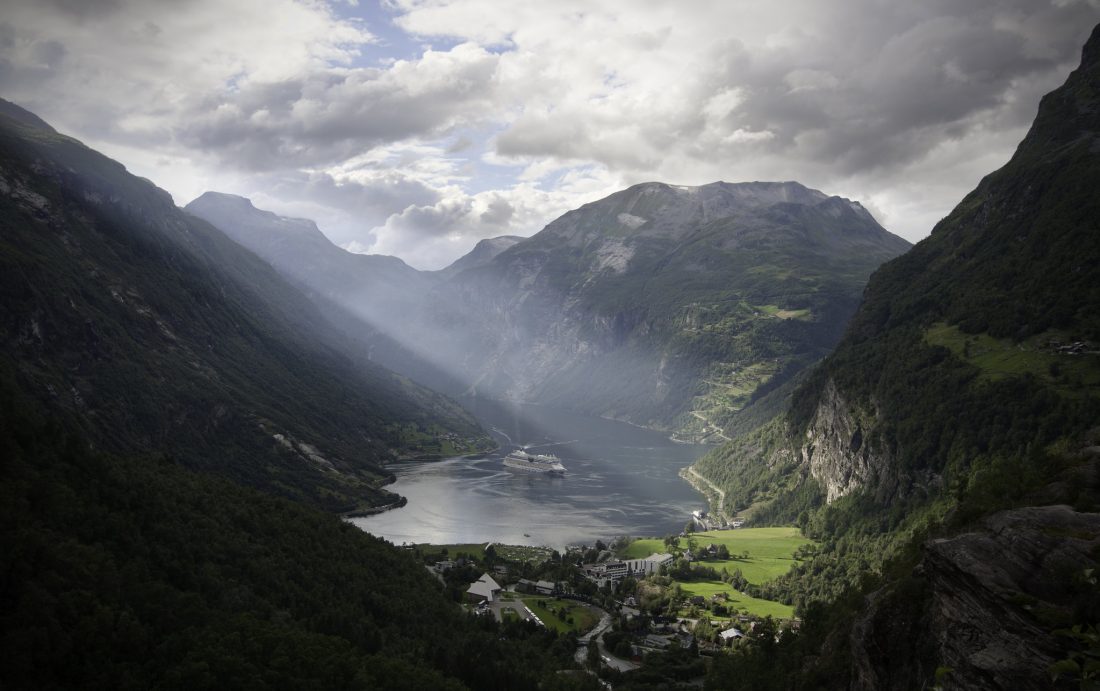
{"points": [[836, 450], [956, 405], [982, 605], [667, 306], [977, 317]]}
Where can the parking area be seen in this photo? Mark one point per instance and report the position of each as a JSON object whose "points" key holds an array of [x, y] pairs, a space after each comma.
{"points": [[507, 606]]}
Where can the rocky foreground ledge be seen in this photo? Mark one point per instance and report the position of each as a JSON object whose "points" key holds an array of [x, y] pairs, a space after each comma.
{"points": [[982, 606]]}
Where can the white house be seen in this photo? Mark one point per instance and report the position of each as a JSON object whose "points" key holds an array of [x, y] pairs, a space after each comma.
{"points": [[730, 634], [483, 589]]}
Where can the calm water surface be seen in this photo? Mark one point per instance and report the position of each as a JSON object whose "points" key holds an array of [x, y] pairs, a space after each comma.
{"points": [[620, 480]]}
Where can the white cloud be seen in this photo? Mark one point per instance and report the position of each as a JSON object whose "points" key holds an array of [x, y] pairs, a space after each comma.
{"points": [[530, 109], [435, 235]]}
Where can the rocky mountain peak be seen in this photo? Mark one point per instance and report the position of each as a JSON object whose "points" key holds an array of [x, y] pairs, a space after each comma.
{"points": [[241, 212]]}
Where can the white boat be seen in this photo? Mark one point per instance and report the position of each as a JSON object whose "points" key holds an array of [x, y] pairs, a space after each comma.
{"points": [[534, 463]]}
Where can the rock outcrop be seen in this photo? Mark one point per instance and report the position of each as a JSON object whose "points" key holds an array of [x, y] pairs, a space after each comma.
{"points": [[983, 605]]}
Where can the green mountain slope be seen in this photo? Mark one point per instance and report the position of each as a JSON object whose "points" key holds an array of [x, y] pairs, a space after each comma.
{"points": [[133, 572], [149, 330], [670, 307], [965, 389]]}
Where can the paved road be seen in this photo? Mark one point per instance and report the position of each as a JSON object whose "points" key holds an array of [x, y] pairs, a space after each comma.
{"points": [[605, 656], [603, 625]]}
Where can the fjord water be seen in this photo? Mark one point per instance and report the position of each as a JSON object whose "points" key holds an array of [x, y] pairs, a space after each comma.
{"points": [[620, 480]]}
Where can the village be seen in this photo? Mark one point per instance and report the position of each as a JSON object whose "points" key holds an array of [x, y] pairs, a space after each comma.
{"points": [[632, 602]]}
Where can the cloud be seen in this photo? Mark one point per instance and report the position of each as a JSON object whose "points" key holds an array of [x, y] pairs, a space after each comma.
{"points": [[855, 98], [524, 110], [437, 234], [330, 115]]}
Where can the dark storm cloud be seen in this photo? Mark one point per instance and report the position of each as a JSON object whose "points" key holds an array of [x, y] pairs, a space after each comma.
{"points": [[859, 86], [902, 78]]}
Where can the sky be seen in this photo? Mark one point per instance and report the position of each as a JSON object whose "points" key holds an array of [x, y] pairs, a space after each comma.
{"points": [[417, 127]]}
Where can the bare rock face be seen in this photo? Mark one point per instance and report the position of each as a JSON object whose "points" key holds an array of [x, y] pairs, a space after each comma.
{"points": [[983, 604], [837, 450]]}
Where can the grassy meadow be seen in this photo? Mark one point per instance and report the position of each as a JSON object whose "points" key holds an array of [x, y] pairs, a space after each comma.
{"points": [[769, 550], [760, 553]]}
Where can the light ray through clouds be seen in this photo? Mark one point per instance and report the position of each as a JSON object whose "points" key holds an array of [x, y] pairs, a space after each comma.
{"points": [[417, 127]]}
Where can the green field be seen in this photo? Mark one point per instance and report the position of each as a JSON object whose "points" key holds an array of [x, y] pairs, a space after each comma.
{"points": [[769, 550], [584, 617], [769, 554], [737, 601], [780, 313], [1002, 358]]}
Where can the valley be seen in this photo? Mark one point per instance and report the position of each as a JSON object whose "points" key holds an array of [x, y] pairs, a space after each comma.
{"points": [[444, 381], [703, 302]]}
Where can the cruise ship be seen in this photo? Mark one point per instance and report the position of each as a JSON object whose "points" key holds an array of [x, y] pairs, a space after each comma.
{"points": [[534, 463]]}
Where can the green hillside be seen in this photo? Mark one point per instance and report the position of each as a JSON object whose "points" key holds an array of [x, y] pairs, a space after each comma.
{"points": [[133, 572], [965, 385], [149, 331]]}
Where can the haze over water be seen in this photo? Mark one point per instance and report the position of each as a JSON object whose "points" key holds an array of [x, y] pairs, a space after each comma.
{"points": [[620, 480]]}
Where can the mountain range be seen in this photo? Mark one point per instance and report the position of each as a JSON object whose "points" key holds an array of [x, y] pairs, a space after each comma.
{"points": [[183, 408], [666, 306]]}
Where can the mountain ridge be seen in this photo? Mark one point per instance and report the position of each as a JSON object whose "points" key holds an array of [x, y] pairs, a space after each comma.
{"points": [[955, 419], [636, 271], [484, 251], [146, 329]]}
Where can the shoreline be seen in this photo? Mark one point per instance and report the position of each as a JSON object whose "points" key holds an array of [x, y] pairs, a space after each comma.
{"points": [[709, 490], [402, 500], [375, 510]]}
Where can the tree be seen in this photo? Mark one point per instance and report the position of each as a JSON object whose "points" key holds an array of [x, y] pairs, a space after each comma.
{"points": [[690, 527], [723, 552], [623, 648], [593, 656]]}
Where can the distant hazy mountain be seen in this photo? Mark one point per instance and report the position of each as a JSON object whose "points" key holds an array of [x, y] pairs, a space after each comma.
{"points": [[667, 306], [381, 288], [671, 307], [482, 253], [145, 329], [946, 455], [377, 300]]}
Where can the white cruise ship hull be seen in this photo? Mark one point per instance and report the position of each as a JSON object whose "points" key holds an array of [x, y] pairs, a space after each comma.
{"points": [[534, 464]]}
